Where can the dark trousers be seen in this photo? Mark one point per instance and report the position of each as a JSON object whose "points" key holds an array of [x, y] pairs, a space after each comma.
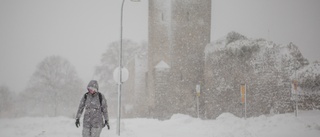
{"points": [[91, 132]]}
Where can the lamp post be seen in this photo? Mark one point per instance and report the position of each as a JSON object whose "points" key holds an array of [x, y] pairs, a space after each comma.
{"points": [[120, 67]]}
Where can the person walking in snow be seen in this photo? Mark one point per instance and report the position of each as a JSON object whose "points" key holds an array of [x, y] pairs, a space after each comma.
{"points": [[95, 106]]}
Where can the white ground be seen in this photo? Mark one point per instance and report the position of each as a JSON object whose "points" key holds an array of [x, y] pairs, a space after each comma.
{"points": [[307, 124]]}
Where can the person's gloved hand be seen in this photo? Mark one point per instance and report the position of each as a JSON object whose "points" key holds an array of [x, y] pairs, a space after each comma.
{"points": [[106, 123], [77, 123]]}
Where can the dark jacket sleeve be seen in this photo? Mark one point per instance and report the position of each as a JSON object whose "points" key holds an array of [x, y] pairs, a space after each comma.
{"points": [[104, 108], [81, 108]]}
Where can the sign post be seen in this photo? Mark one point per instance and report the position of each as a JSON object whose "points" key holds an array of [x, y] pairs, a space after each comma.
{"points": [[244, 98], [198, 95], [295, 95]]}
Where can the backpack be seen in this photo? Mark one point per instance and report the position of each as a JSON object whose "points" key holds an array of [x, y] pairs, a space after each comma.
{"points": [[100, 98]]}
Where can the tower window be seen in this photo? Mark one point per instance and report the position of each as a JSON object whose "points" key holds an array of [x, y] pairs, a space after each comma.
{"points": [[188, 16], [162, 16]]}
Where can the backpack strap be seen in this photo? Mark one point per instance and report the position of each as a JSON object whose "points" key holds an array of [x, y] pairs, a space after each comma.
{"points": [[85, 96], [100, 98]]}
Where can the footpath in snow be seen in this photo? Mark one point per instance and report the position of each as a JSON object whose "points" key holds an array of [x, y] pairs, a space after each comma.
{"points": [[307, 124]]}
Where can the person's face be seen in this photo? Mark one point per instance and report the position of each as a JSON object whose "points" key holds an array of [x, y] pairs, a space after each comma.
{"points": [[92, 90]]}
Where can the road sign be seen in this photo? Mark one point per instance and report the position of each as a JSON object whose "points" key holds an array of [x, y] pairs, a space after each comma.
{"points": [[124, 75]]}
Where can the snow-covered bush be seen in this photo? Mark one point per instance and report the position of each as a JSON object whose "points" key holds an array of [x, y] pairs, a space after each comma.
{"points": [[263, 66]]}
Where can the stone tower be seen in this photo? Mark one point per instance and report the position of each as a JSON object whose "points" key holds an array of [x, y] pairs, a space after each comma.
{"points": [[179, 30]]}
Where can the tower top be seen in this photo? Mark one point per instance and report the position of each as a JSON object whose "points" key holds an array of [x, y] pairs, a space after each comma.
{"points": [[162, 65]]}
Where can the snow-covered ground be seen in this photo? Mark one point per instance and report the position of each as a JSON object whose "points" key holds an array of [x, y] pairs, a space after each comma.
{"points": [[307, 124]]}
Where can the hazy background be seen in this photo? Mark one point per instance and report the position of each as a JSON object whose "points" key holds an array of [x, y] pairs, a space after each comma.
{"points": [[80, 30]]}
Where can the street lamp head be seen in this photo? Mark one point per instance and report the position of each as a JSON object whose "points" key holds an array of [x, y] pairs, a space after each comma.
{"points": [[135, 0]]}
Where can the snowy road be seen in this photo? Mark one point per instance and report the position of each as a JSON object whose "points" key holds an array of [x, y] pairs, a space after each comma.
{"points": [[226, 125]]}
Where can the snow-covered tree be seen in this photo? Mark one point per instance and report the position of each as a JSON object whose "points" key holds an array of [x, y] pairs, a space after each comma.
{"points": [[110, 61], [6, 102], [309, 86], [263, 65], [54, 88]]}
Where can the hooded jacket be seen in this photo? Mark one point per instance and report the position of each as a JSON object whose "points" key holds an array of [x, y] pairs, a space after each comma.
{"points": [[94, 112]]}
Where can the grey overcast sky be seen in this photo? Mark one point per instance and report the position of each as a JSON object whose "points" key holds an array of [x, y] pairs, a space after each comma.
{"points": [[80, 30]]}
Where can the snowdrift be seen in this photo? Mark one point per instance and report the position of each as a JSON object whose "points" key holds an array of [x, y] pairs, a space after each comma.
{"points": [[226, 125]]}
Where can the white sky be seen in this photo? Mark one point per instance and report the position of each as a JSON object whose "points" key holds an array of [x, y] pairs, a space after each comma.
{"points": [[80, 30]]}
